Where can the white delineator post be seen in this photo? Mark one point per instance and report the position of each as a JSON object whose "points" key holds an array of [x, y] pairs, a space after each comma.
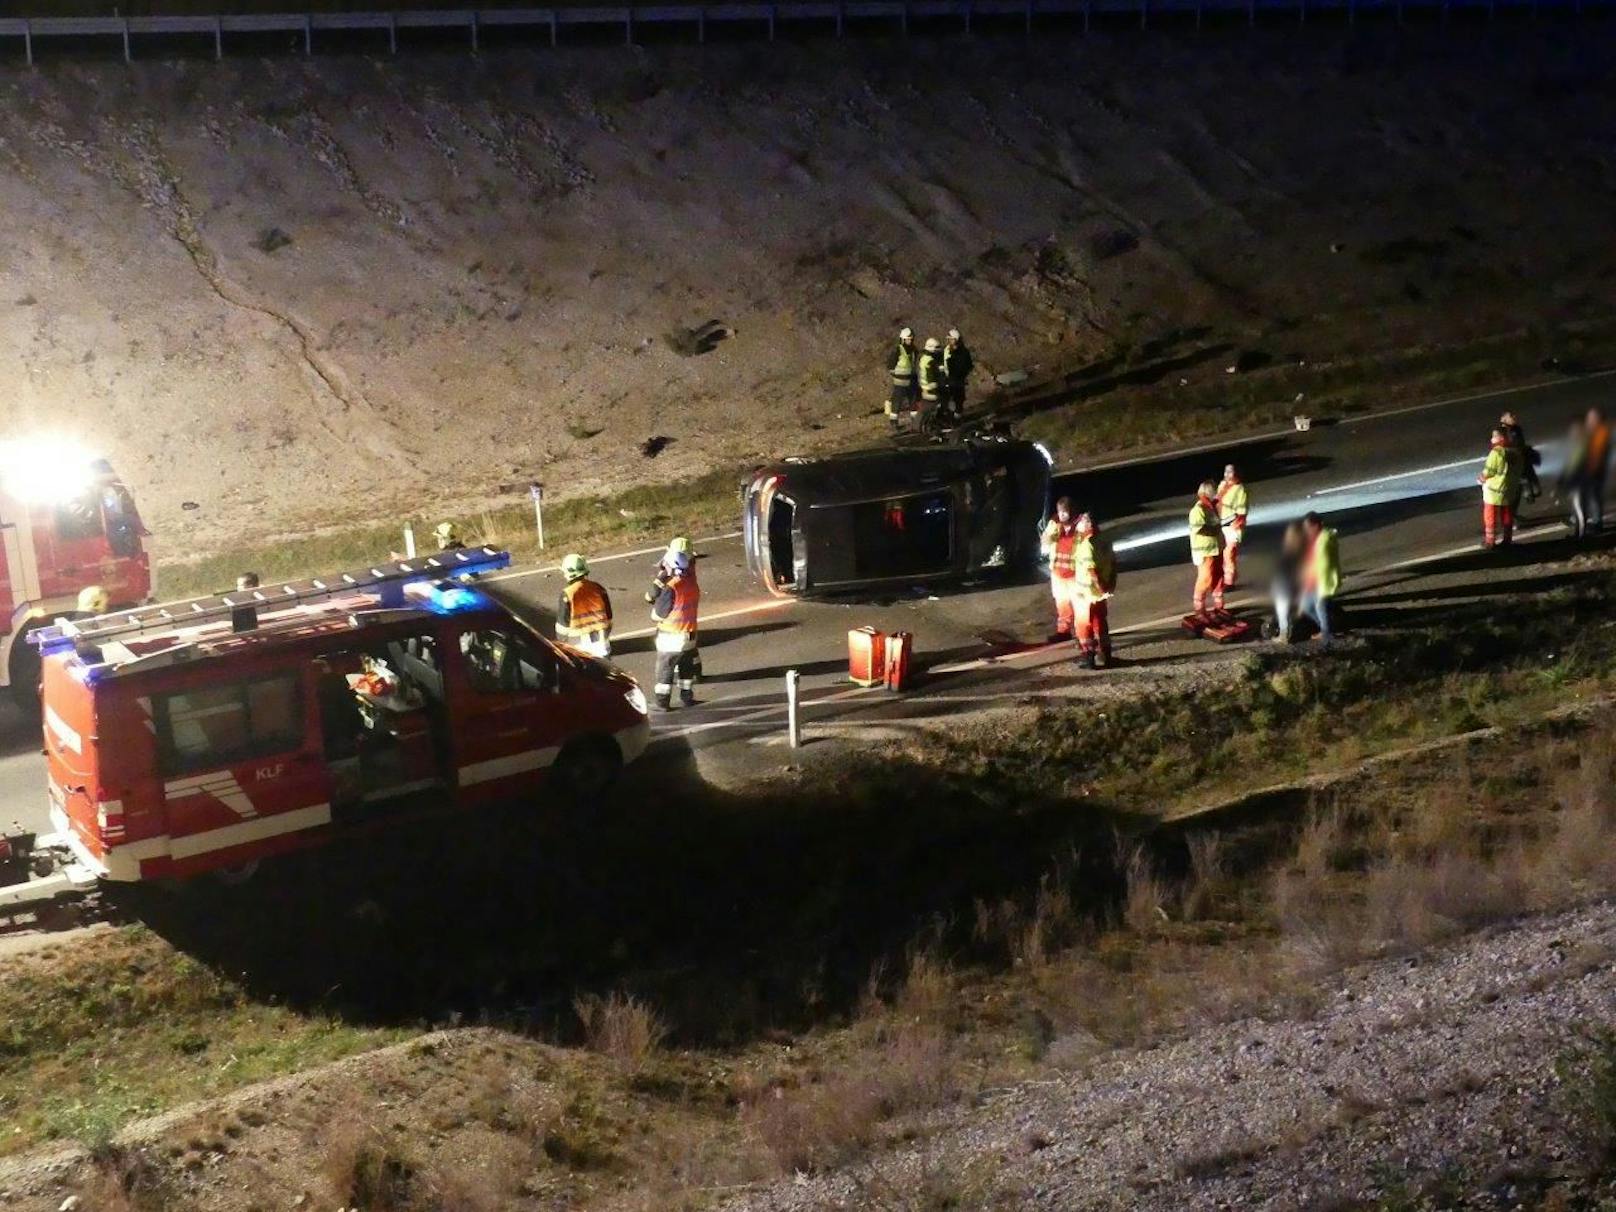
{"points": [[536, 491], [793, 719], [409, 540]]}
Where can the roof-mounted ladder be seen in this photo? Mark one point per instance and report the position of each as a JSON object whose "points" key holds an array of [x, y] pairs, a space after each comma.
{"points": [[388, 580]]}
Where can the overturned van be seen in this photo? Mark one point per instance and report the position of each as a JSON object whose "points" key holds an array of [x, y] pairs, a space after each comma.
{"points": [[901, 515]]}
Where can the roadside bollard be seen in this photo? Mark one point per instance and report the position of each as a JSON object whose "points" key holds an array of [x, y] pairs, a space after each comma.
{"points": [[793, 720], [409, 540]]}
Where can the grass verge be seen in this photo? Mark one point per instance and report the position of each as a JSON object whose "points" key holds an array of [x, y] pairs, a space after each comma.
{"points": [[120, 1025]]}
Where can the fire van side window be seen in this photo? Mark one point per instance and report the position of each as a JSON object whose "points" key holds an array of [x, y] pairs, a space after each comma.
{"points": [[215, 726]]}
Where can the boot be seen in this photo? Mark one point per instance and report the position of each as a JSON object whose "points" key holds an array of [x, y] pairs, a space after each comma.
{"points": [[687, 697], [1089, 659], [1104, 659], [664, 702]]}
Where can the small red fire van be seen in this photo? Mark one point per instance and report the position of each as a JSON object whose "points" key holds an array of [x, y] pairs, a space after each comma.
{"points": [[205, 735]]}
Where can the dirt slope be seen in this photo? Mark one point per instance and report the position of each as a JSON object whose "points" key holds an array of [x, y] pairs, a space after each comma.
{"points": [[486, 255]]}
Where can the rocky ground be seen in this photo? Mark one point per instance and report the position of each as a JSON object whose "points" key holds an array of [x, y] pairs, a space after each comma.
{"points": [[285, 293], [1437, 1069]]}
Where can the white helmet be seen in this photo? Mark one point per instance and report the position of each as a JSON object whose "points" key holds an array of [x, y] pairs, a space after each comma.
{"points": [[906, 334], [953, 334], [932, 345]]}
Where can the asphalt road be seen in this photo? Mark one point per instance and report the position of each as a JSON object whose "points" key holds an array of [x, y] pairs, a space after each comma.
{"points": [[1400, 486]]}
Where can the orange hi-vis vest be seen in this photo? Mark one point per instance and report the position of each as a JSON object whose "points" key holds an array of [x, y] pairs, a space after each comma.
{"points": [[589, 610], [1063, 560], [686, 604]]}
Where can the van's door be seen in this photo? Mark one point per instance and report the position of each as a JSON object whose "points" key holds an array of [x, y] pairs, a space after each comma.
{"points": [[508, 716], [241, 766]]}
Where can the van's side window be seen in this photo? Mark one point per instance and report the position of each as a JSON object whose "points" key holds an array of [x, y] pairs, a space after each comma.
{"points": [[80, 518], [498, 662], [218, 725]]}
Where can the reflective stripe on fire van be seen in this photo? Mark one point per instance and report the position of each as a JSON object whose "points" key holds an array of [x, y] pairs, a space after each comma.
{"points": [[123, 862], [64, 733], [505, 767], [109, 819], [220, 785]]}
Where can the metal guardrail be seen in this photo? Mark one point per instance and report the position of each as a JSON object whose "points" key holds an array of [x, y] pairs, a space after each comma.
{"points": [[753, 14]]}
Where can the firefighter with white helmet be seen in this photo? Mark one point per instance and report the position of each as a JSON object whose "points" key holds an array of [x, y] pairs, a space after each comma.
{"points": [[1095, 567], [584, 614], [93, 599], [903, 369], [957, 366], [447, 535], [676, 612], [933, 381]]}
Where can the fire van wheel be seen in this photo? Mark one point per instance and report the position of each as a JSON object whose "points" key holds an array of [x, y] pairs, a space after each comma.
{"points": [[234, 877], [587, 768]]}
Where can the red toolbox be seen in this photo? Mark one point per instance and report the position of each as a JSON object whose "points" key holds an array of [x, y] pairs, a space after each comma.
{"points": [[1219, 626], [899, 646], [867, 656]]}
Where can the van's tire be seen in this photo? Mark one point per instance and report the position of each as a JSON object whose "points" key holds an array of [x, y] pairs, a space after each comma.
{"points": [[587, 768], [24, 674], [235, 877]]}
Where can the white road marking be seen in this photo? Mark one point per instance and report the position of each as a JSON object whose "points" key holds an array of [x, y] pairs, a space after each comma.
{"points": [[755, 608], [1473, 397], [1401, 475], [539, 569]]}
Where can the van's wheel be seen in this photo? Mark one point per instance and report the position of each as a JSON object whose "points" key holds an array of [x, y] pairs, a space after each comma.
{"points": [[586, 769], [235, 877], [24, 673]]}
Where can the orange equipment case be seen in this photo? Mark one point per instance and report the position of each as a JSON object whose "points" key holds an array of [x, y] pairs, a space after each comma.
{"points": [[867, 656]]}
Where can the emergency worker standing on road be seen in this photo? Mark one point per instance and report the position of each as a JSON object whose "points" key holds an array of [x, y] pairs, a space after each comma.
{"points": [[1096, 581], [1233, 504], [447, 535], [584, 614], [676, 611], [679, 544], [933, 383], [1587, 465], [957, 367], [903, 368], [1206, 548], [1530, 486], [1060, 549], [1500, 476], [1321, 574], [1289, 575]]}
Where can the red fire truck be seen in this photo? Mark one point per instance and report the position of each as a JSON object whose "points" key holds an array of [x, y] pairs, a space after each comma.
{"points": [[66, 522], [205, 735]]}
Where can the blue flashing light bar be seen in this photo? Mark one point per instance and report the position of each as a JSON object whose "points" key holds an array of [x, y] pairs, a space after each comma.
{"points": [[388, 580]]}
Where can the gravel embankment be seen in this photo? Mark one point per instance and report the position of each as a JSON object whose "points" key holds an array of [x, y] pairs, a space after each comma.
{"points": [[1437, 1067]]}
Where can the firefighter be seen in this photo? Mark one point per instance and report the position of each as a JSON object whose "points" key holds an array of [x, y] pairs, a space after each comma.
{"points": [[447, 535], [1531, 459], [1498, 479], [903, 367], [245, 618], [1096, 581], [1060, 549], [933, 382], [1206, 548], [93, 600], [676, 545], [1321, 574], [1233, 504], [957, 367], [675, 613], [584, 614]]}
